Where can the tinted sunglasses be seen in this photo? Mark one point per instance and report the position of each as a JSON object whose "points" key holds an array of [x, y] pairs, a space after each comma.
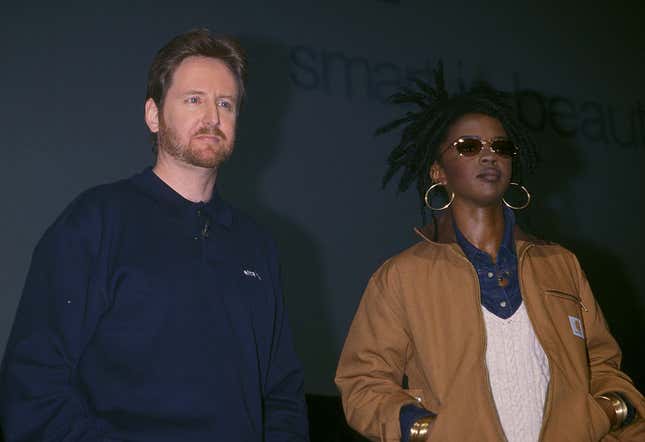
{"points": [[471, 145]]}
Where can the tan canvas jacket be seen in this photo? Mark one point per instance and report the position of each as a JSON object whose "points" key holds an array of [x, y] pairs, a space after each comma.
{"points": [[421, 316]]}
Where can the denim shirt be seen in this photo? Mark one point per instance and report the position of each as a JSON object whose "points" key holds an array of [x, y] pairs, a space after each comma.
{"points": [[498, 281]]}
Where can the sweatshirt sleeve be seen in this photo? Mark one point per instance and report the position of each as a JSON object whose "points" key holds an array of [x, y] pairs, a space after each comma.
{"points": [[41, 396], [284, 400], [372, 362], [604, 362]]}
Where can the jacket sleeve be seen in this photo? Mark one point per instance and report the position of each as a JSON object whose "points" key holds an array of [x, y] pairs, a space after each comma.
{"points": [[372, 362], [604, 360], [284, 400], [40, 394]]}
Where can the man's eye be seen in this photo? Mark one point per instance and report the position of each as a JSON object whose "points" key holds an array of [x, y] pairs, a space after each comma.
{"points": [[193, 100], [225, 104]]}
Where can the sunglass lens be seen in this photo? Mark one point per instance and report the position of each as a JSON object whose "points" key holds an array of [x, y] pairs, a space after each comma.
{"points": [[468, 146], [505, 148]]}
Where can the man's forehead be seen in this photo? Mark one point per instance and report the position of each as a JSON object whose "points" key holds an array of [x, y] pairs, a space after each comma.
{"points": [[204, 73]]}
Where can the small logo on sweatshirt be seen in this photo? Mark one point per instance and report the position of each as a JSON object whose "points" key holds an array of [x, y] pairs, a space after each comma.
{"points": [[576, 327], [251, 274]]}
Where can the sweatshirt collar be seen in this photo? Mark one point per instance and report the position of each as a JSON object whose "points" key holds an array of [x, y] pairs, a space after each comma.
{"points": [[218, 209]]}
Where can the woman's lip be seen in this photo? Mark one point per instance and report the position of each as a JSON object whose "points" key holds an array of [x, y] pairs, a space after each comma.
{"points": [[489, 174]]}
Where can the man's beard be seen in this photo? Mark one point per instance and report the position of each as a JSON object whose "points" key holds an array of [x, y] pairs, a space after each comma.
{"points": [[210, 157]]}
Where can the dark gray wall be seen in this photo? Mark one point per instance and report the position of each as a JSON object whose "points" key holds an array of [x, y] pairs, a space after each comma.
{"points": [[307, 165]]}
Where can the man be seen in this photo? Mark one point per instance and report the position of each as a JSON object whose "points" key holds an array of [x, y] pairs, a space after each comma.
{"points": [[152, 309]]}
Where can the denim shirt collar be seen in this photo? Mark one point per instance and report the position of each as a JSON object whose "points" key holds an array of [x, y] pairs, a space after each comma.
{"points": [[506, 249]]}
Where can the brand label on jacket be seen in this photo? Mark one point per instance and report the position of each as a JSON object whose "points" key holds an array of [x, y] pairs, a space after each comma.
{"points": [[576, 326]]}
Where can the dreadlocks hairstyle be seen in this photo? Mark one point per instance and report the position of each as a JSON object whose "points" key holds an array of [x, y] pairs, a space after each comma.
{"points": [[423, 129]]}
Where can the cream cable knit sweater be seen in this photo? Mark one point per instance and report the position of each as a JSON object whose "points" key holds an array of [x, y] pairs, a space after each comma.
{"points": [[518, 372]]}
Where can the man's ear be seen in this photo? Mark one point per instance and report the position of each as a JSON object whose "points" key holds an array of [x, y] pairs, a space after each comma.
{"points": [[437, 174], [152, 115]]}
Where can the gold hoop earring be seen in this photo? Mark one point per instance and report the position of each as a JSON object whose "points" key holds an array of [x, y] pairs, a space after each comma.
{"points": [[528, 198], [426, 198]]}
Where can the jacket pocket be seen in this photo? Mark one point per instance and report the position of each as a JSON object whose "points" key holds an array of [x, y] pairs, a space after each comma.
{"points": [[566, 313], [599, 420], [416, 393], [566, 296]]}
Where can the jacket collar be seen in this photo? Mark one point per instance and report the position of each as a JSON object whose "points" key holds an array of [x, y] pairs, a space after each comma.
{"points": [[443, 232]]}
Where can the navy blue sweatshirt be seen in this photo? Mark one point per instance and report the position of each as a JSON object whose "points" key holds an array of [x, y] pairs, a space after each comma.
{"points": [[146, 317]]}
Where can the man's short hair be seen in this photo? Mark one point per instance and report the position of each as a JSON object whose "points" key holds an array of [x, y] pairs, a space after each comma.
{"points": [[194, 43]]}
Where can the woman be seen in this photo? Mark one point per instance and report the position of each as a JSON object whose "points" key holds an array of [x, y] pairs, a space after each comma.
{"points": [[479, 332]]}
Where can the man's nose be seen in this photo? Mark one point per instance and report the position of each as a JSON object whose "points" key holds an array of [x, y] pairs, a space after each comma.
{"points": [[211, 114]]}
